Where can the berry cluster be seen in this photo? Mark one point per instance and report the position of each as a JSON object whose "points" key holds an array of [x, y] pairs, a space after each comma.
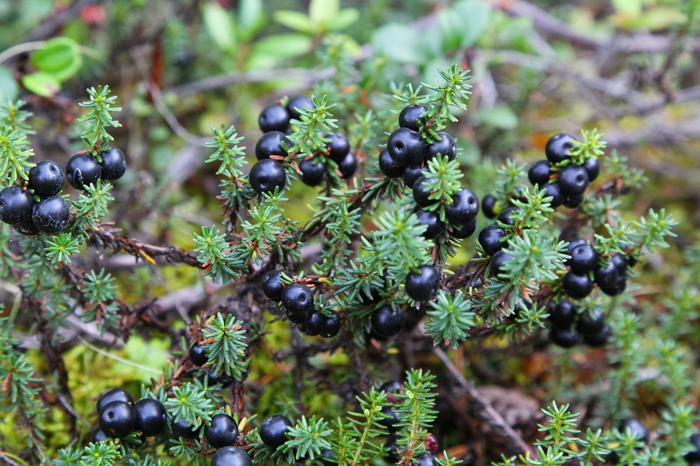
{"points": [[198, 356], [588, 268], [118, 416], [563, 180], [568, 326], [490, 239], [83, 169], [298, 302], [313, 170]]}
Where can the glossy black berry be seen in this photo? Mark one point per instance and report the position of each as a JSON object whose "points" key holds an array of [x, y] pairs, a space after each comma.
{"points": [[464, 207], [266, 175], [26, 228], [117, 419], [488, 204], [314, 325], [572, 180], [591, 322], [299, 302], [606, 275], [498, 262], [406, 147], [391, 422], [432, 220], [115, 394], [372, 297], [271, 285], [182, 429], [348, 166], [617, 288], [113, 164], [445, 146], [338, 146], [422, 285], [82, 170], [231, 456], [422, 191], [596, 340], [46, 178], [391, 386], [298, 102], [409, 115], [273, 430], [51, 215], [558, 147], [463, 231], [592, 167], [15, 205], [221, 379], [387, 321], [271, 144], [274, 118], [506, 216], [539, 173], [331, 325], [635, 427], [561, 314], [577, 286], [388, 166], [222, 431], [584, 257], [426, 459], [313, 171], [552, 190], [573, 202], [564, 337], [490, 239], [391, 446], [620, 261], [98, 435], [150, 416], [411, 174], [694, 456], [198, 355]]}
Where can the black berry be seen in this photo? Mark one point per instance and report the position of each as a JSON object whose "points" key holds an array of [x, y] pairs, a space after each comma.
{"points": [[230, 456], [391, 421], [266, 175], [271, 144], [445, 146], [113, 164], [490, 239], [331, 325], [558, 147], [372, 297], [561, 315], [273, 430], [539, 173], [222, 431], [552, 190], [409, 115], [348, 166], [563, 337], [26, 228], [338, 147], [591, 322], [314, 325], [572, 180], [392, 449], [299, 302], [635, 427], [51, 215], [464, 207], [422, 191], [274, 118], [150, 416], [606, 275], [411, 174], [46, 178], [115, 394], [313, 171], [694, 456], [572, 202], [432, 220], [620, 261], [391, 386], [498, 262], [182, 429], [592, 167], [388, 166], [463, 231], [422, 285], [584, 257], [506, 216], [15, 205], [271, 285], [198, 355], [488, 204], [299, 102], [426, 459], [82, 170], [617, 288], [387, 321], [117, 419], [577, 286], [221, 379], [599, 339], [406, 147], [98, 436]]}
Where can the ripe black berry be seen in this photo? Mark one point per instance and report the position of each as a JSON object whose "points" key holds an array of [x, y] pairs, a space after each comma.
{"points": [[422, 285], [445, 146], [46, 178], [572, 202], [391, 422], [299, 303], [338, 147], [539, 173], [313, 171], [182, 429], [230, 456], [426, 459], [552, 190], [82, 170], [572, 180], [635, 427], [561, 315], [488, 203], [15, 205], [51, 215], [115, 394], [409, 115], [387, 321], [391, 386], [592, 167], [620, 261], [506, 216], [372, 297], [273, 430], [113, 164], [411, 174], [388, 166], [432, 220], [606, 275], [98, 435], [422, 192], [584, 257], [577, 286], [391, 446], [463, 231], [117, 419], [314, 325], [266, 175], [490, 239], [150, 416], [331, 325], [299, 102], [596, 340], [223, 380], [198, 355], [694, 456], [274, 118], [617, 288], [591, 322], [563, 337], [271, 144], [464, 207], [348, 166], [26, 228], [271, 285], [558, 147], [222, 431], [406, 147], [498, 262]]}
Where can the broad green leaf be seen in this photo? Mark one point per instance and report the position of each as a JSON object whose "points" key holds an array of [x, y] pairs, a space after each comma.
{"points": [[59, 57], [283, 45], [474, 16], [294, 20], [398, 42], [8, 85], [220, 26], [40, 83], [321, 11], [343, 19], [250, 17], [499, 116]]}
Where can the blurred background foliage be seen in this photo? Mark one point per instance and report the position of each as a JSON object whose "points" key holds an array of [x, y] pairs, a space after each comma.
{"points": [[628, 67]]}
